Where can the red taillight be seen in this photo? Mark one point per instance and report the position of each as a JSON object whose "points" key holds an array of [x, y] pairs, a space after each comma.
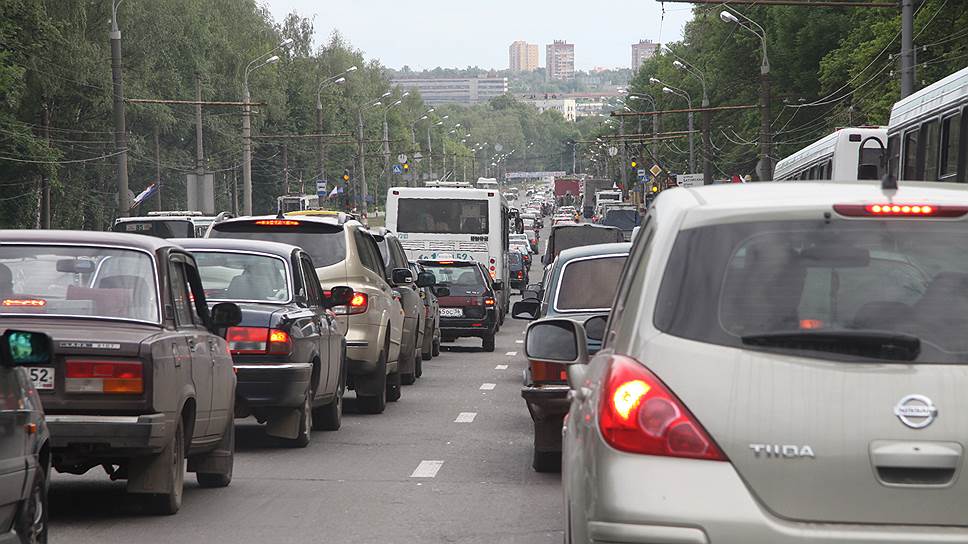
{"points": [[277, 223], [810, 324], [548, 372], [25, 302], [488, 301], [899, 209], [638, 414], [279, 342], [357, 305], [520, 275], [95, 376], [258, 340]]}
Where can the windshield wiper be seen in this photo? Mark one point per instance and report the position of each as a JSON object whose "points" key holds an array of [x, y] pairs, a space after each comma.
{"points": [[862, 343]]}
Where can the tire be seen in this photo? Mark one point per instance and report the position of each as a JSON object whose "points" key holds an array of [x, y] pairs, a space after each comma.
{"points": [[436, 348], [393, 387], [217, 479], [546, 461], [31, 521], [418, 372], [166, 504], [330, 416], [305, 423], [375, 404], [488, 343]]}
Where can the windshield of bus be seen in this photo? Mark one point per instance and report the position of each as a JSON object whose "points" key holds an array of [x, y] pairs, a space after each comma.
{"points": [[159, 228], [79, 281], [442, 216], [242, 277]]}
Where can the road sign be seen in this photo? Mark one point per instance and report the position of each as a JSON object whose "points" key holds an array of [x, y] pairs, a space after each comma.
{"points": [[397, 169], [321, 189], [402, 158], [417, 157], [689, 180], [612, 151], [655, 170], [641, 174]]}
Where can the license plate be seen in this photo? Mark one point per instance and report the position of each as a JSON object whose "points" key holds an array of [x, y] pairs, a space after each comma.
{"points": [[451, 312], [42, 376]]}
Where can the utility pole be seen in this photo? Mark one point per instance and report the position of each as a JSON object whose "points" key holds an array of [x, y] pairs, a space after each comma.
{"points": [[285, 166], [158, 165], [361, 180], [430, 153], [386, 149], [200, 185], [120, 132], [320, 148], [765, 166], [907, 47], [246, 153], [45, 179], [624, 156]]}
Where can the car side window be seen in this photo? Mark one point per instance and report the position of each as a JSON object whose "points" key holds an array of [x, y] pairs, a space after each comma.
{"points": [[378, 265], [400, 255], [312, 281], [196, 294], [634, 266], [365, 249], [180, 295]]}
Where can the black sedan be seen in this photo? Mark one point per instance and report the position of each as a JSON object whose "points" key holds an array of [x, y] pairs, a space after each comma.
{"points": [[288, 351]]}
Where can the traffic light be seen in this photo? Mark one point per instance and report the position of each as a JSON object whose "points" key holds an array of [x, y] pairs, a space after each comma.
{"points": [[346, 174], [654, 188], [406, 167], [635, 163]]}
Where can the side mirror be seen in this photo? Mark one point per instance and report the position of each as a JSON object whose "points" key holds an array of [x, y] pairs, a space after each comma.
{"points": [[498, 285], [338, 296], [526, 309], [595, 327], [556, 340], [226, 314], [24, 348], [401, 276], [441, 291], [426, 279]]}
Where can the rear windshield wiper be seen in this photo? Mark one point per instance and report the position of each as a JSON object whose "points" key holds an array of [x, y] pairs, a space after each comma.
{"points": [[862, 343]]}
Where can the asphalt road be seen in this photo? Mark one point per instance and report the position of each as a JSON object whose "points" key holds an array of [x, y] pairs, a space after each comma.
{"points": [[362, 484]]}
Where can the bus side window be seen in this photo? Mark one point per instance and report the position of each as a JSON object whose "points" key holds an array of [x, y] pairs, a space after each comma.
{"points": [[829, 169], [893, 154], [911, 155], [930, 132], [950, 144]]}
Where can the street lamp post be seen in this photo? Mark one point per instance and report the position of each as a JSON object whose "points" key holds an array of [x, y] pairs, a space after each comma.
{"points": [[254, 65], [386, 137], [362, 151], [682, 94], [320, 148], [682, 64], [764, 169], [430, 145], [120, 132]]}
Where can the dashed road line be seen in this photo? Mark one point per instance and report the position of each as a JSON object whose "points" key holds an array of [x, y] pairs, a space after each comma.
{"points": [[501, 367], [519, 341], [488, 386], [465, 417], [427, 469], [511, 353]]}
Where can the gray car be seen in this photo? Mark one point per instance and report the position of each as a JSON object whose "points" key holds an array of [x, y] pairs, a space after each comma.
{"points": [[783, 363]]}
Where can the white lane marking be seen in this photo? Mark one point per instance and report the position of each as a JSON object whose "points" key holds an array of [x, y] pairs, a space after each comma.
{"points": [[465, 417], [488, 386], [511, 353], [427, 469], [519, 341], [501, 367]]}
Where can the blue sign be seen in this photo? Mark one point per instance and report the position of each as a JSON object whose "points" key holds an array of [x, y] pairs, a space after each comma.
{"points": [[321, 191], [397, 169], [641, 174]]}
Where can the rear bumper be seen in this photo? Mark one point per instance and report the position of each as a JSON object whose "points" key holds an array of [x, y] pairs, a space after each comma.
{"points": [[454, 327], [273, 385], [548, 405], [648, 499], [362, 348], [109, 434]]}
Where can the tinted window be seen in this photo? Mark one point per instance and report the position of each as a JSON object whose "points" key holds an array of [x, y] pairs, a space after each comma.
{"points": [[931, 150], [552, 341], [368, 257], [170, 228], [462, 280], [950, 141], [759, 278], [569, 237], [242, 276], [324, 243], [589, 284], [442, 215], [312, 282], [911, 155]]}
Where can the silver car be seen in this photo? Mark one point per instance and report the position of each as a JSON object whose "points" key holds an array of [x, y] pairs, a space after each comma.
{"points": [[784, 363]]}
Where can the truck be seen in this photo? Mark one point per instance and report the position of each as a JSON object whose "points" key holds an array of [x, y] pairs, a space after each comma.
{"points": [[590, 187], [567, 191]]}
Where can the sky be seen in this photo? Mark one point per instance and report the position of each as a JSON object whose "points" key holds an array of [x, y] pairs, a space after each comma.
{"points": [[424, 34]]}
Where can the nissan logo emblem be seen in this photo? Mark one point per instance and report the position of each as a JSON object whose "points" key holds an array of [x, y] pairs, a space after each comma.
{"points": [[916, 411]]}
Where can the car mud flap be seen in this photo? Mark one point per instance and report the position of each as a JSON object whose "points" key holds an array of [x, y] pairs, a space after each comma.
{"points": [[284, 424], [217, 461], [547, 433], [149, 474]]}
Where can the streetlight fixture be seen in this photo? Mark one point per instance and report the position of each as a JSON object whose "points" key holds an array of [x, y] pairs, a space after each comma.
{"points": [[682, 64], [764, 167], [320, 148], [362, 150], [262, 60], [681, 93], [386, 136]]}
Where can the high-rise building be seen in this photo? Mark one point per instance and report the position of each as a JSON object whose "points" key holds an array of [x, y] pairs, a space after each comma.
{"points": [[560, 60], [523, 56], [645, 49], [455, 90]]}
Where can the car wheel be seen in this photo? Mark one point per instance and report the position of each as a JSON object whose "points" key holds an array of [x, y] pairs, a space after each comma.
{"points": [[418, 370], [546, 461], [31, 522], [375, 404], [393, 387], [168, 503], [305, 423], [436, 348], [330, 416], [221, 479], [488, 343]]}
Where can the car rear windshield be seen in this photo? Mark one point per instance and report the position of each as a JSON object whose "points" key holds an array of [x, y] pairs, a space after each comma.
{"points": [[159, 228], [242, 276], [462, 279], [569, 237], [589, 284], [514, 258], [77, 281], [442, 215], [623, 219], [325, 243], [794, 279]]}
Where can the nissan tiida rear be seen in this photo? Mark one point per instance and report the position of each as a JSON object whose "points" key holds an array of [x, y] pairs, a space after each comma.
{"points": [[783, 363]]}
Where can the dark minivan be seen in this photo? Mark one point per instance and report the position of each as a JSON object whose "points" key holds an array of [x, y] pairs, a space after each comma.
{"points": [[468, 305]]}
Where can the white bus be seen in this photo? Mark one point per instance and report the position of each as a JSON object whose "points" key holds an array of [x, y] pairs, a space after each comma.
{"points": [[452, 223], [837, 156], [296, 203], [928, 132], [487, 183]]}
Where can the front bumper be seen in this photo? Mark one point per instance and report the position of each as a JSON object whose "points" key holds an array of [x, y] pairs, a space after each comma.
{"points": [[281, 385], [110, 434]]}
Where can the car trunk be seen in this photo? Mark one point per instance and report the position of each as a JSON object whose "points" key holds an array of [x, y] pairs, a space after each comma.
{"points": [[82, 339]]}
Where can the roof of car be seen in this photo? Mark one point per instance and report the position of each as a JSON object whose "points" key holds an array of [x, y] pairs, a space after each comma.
{"points": [[594, 250], [235, 244], [139, 241]]}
